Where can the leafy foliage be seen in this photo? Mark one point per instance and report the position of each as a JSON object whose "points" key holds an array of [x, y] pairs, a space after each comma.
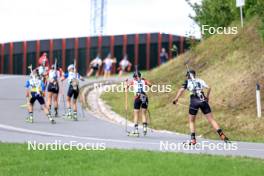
{"points": [[217, 13]]}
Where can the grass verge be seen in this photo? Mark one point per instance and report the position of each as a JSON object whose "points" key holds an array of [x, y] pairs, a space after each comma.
{"points": [[231, 65], [17, 160]]}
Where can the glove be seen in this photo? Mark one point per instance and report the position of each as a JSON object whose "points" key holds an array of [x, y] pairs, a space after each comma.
{"points": [[43, 94], [175, 101]]}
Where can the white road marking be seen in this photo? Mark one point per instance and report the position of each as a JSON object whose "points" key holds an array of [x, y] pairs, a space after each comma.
{"points": [[8, 77], [23, 130]]}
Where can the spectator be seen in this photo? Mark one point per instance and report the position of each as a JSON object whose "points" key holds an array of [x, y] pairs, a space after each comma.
{"points": [[124, 66], [108, 63], [95, 66], [43, 60], [163, 56], [174, 51]]}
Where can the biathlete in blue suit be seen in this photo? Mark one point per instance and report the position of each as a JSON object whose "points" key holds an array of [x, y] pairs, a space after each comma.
{"points": [[36, 91]]}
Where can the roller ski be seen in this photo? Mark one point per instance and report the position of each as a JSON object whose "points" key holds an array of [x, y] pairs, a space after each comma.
{"points": [[192, 142], [74, 116], [224, 138], [145, 129], [29, 119], [71, 115], [52, 121], [67, 116], [133, 133]]}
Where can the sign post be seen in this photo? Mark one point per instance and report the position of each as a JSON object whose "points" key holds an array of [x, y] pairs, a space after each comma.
{"points": [[258, 100], [240, 4]]}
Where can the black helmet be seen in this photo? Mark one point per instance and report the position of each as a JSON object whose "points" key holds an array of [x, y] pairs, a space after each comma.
{"points": [[191, 72], [137, 74]]}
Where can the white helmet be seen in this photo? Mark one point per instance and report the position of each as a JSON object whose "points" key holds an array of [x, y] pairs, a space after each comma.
{"points": [[70, 67]]}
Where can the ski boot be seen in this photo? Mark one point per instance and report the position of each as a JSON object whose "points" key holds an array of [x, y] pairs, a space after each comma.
{"points": [[68, 115], [74, 116], [56, 113]]}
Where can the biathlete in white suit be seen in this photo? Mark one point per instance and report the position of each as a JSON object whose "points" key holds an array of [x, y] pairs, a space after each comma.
{"points": [[54, 76], [95, 66], [124, 66], [198, 100], [108, 64], [73, 78], [140, 101]]}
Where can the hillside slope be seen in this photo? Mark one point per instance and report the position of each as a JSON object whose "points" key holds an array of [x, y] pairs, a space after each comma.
{"points": [[231, 65]]}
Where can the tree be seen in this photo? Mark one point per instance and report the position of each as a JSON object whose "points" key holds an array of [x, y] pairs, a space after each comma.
{"points": [[220, 13]]}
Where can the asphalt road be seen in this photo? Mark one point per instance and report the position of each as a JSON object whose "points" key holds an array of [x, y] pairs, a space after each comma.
{"points": [[90, 130]]}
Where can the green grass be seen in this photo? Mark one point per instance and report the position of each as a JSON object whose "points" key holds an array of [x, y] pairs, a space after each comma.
{"points": [[231, 65], [16, 160]]}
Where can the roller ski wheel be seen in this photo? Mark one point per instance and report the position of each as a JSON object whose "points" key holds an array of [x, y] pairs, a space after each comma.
{"points": [[133, 134], [74, 117], [52, 121], [29, 119], [67, 116]]}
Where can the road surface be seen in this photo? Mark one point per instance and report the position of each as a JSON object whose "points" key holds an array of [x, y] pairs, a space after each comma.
{"points": [[90, 129]]}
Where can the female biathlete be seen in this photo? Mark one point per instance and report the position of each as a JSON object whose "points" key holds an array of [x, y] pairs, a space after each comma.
{"points": [[198, 100], [73, 78], [36, 91], [54, 76], [140, 102]]}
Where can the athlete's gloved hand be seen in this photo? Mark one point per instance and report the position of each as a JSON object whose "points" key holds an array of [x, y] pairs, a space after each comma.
{"points": [[175, 101], [42, 94]]}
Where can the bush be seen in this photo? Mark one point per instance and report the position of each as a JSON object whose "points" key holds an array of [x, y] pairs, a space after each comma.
{"points": [[217, 13]]}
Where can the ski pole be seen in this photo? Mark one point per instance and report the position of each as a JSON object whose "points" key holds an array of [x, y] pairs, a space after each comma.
{"points": [[81, 102], [126, 106], [149, 118], [63, 98], [83, 113]]}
